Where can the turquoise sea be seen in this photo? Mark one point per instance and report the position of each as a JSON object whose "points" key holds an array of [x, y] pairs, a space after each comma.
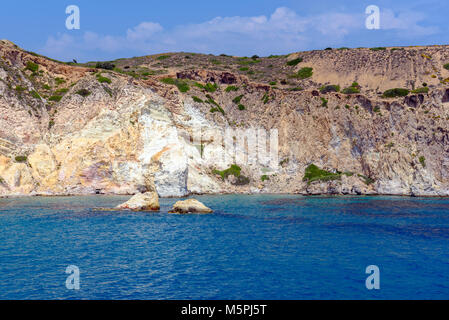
{"points": [[252, 247]]}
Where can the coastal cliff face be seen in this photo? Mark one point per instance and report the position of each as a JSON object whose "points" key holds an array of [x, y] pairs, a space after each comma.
{"points": [[69, 129]]}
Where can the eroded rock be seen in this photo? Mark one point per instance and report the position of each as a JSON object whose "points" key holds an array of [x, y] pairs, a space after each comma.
{"points": [[148, 201], [190, 206]]}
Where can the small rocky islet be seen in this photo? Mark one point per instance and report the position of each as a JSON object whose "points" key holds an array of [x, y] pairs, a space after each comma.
{"points": [[149, 201]]}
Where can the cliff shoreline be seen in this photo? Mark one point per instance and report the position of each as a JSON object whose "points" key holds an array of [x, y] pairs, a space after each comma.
{"points": [[367, 122]]}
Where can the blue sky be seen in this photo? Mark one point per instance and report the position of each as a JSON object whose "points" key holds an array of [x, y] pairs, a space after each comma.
{"points": [[115, 29]]}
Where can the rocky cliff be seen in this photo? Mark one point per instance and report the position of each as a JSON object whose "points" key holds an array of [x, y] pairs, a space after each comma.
{"points": [[68, 128]]}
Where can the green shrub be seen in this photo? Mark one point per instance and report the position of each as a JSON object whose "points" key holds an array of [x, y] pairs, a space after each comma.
{"points": [[232, 170], [305, 73], [21, 159], [313, 173], [241, 107], [61, 91], [102, 79], [163, 57], [33, 67], [350, 90], [324, 102], [244, 69], [421, 90], [295, 89], [55, 98], [237, 99], [168, 81], [83, 92], [35, 95], [378, 49], [273, 83], [46, 87], [329, 88], [210, 100], [245, 62], [105, 65], [395, 92], [354, 88], [20, 89], [59, 81], [294, 62], [196, 99], [446, 66], [232, 88], [422, 160], [182, 86], [264, 177], [266, 98], [210, 87]]}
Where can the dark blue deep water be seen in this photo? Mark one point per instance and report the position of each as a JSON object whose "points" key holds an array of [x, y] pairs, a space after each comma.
{"points": [[252, 247]]}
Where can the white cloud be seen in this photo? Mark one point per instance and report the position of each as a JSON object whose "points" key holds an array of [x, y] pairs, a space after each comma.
{"points": [[143, 31], [283, 31], [407, 22]]}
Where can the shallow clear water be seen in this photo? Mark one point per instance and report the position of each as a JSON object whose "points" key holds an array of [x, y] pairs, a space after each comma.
{"points": [[252, 247]]}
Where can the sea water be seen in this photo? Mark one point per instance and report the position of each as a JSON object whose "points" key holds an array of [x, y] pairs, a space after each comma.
{"points": [[252, 247]]}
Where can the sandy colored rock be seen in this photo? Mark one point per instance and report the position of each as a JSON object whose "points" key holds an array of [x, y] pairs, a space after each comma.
{"points": [[134, 134], [42, 161], [148, 201], [190, 206]]}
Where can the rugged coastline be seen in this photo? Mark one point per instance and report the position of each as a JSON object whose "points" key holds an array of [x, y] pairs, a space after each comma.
{"points": [[72, 129]]}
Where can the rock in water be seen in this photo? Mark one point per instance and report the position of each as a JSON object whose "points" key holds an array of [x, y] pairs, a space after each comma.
{"points": [[190, 206], [148, 201]]}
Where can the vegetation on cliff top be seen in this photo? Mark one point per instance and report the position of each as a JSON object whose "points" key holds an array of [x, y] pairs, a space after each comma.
{"points": [[83, 92], [329, 88], [421, 90], [21, 159], [102, 79], [304, 73], [313, 173], [354, 88], [294, 62], [235, 171], [181, 85], [395, 92]]}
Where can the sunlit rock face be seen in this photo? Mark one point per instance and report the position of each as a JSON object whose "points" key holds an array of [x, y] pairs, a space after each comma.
{"points": [[111, 138]]}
